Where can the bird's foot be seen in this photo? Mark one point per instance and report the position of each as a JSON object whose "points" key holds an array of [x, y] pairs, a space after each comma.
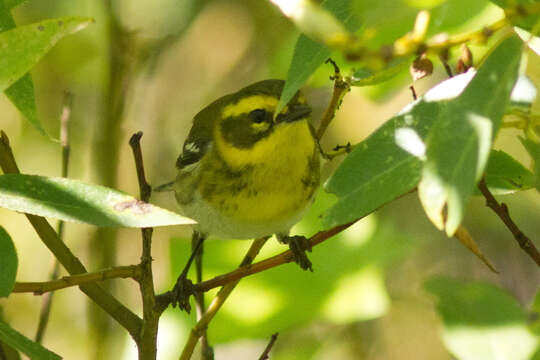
{"points": [[299, 245], [181, 292]]}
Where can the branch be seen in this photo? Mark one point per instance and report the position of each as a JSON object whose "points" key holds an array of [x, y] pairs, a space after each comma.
{"points": [[218, 301], [280, 259], [71, 263], [147, 345], [341, 87], [502, 212], [40, 288], [64, 141], [266, 352]]}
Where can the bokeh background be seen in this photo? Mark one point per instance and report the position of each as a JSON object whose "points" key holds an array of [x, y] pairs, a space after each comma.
{"points": [[152, 66]]}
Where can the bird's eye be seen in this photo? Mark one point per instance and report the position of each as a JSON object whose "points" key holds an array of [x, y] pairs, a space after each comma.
{"points": [[258, 116]]}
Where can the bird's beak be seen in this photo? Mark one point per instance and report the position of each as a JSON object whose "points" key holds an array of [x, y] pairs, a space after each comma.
{"points": [[295, 113]]}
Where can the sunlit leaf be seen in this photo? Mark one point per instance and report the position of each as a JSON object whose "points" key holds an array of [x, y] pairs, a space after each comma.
{"points": [[523, 19], [8, 263], [309, 55], [72, 200], [21, 93], [388, 163], [18, 341], [481, 321], [459, 144], [532, 41], [21, 48]]}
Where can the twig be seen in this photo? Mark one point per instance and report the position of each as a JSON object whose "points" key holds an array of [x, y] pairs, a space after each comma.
{"points": [[264, 355], [502, 212], [147, 345], [218, 301], [283, 258], [131, 322], [341, 87], [413, 92], [64, 141], [39, 288]]}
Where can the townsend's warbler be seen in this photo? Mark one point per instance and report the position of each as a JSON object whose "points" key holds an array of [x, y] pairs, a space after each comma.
{"points": [[246, 173]]}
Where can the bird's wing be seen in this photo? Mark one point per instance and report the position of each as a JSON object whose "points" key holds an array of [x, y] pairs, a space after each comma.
{"points": [[198, 141]]}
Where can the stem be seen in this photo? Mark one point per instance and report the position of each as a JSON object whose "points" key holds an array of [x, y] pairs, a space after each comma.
{"points": [[39, 288], [218, 301], [64, 141], [502, 212], [266, 352], [147, 345]]}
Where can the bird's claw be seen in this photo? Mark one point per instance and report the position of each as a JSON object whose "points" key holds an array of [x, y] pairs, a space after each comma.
{"points": [[181, 292], [299, 245]]}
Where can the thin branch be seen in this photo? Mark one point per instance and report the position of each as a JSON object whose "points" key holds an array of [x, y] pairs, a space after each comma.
{"points": [[131, 322], [218, 301], [147, 345], [502, 212], [341, 87], [40, 288], [280, 259], [266, 352], [64, 141]]}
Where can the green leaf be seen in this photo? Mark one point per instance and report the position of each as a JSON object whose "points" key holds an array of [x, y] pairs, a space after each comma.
{"points": [[534, 150], [8, 263], [20, 342], [506, 175], [72, 200], [366, 76], [388, 163], [459, 143], [21, 93], [21, 48], [309, 55], [481, 321]]}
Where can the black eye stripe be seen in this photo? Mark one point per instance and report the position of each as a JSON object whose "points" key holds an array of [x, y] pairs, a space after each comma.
{"points": [[258, 115]]}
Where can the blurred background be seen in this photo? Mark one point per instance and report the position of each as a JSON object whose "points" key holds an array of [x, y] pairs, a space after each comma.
{"points": [[152, 66]]}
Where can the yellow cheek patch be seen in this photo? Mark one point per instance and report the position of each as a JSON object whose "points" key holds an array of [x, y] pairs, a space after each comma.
{"points": [[274, 149], [250, 103]]}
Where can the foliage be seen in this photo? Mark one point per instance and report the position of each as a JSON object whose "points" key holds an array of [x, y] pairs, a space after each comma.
{"points": [[442, 148]]}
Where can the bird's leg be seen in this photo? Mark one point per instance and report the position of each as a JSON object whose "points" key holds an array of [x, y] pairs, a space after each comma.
{"points": [[298, 245], [184, 287]]}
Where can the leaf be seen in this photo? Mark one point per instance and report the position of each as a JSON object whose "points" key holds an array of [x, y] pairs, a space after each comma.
{"points": [[21, 93], [505, 175], [385, 166], [21, 48], [481, 321], [534, 150], [532, 41], [366, 76], [309, 55], [459, 143], [72, 200], [20, 342], [467, 240], [523, 94], [8, 263]]}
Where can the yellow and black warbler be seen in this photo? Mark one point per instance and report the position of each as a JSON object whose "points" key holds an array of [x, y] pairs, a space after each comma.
{"points": [[244, 172]]}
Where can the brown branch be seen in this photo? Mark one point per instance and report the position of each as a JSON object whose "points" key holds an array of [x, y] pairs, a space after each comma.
{"points": [[218, 302], [280, 259], [502, 212], [124, 316], [147, 346], [266, 352], [341, 87], [40, 288], [64, 141]]}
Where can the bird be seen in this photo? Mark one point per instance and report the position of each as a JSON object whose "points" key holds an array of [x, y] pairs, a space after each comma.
{"points": [[245, 172]]}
